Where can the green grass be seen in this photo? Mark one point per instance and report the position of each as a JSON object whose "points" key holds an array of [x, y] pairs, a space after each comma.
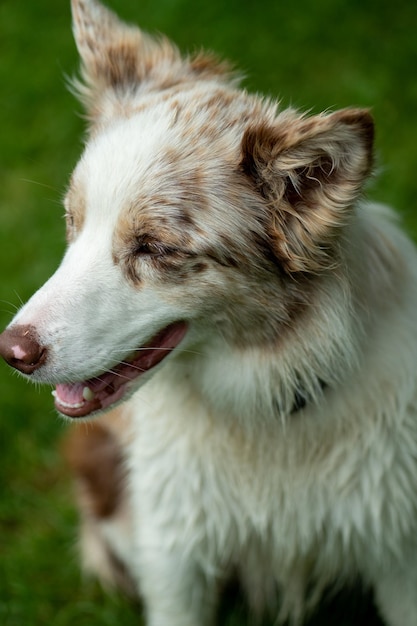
{"points": [[315, 55]]}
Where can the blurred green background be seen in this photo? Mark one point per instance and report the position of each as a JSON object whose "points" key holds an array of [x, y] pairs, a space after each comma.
{"points": [[316, 55]]}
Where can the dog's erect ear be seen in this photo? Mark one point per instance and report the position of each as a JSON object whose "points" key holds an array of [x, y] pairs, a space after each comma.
{"points": [[310, 171], [117, 58]]}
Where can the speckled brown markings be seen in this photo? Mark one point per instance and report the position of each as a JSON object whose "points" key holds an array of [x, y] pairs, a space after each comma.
{"points": [[310, 171], [239, 187], [153, 236], [118, 56]]}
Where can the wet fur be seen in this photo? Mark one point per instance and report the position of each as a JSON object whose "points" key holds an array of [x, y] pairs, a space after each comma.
{"points": [[195, 200]]}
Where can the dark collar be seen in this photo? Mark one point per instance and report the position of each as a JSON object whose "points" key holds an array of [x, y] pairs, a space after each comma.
{"points": [[302, 398]]}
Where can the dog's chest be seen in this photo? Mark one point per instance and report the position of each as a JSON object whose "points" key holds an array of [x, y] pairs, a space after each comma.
{"points": [[223, 491]]}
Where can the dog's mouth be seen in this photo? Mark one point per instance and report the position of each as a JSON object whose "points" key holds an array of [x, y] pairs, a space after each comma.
{"points": [[83, 398]]}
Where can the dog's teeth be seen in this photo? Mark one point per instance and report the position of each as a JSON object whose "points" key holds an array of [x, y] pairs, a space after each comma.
{"points": [[88, 395]]}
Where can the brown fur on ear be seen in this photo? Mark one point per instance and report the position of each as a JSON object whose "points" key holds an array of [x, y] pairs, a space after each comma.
{"points": [[310, 171], [117, 58]]}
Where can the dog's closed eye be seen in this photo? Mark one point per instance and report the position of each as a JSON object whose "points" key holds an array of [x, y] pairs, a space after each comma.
{"points": [[146, 248]]}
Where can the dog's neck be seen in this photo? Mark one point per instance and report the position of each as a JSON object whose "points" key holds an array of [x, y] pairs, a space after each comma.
{"points": [[284, 377]]}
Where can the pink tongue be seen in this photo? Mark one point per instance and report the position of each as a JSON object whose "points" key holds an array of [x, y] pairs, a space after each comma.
{"points": [[106, 385], [71, 394]]}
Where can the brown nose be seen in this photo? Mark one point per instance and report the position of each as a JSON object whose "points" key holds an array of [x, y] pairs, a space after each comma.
{"points": [[20, 348]]}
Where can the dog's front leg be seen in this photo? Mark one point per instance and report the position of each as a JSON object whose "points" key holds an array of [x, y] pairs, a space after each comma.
{"points": [[175, 590]]}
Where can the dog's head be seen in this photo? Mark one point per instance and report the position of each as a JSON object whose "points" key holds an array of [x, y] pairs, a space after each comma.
{"points": [[196, 209]]}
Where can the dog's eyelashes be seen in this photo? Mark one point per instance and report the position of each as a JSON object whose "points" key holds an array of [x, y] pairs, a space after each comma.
{"points": [[152, 249]]}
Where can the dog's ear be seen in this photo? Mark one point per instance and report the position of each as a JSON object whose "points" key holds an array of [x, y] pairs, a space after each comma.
{"points": [[117, 58], [310, 171]]}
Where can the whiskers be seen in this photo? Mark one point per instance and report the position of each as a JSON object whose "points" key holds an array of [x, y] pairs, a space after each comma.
{"points": [[9, 311], [36, 182], [14, 307], [133, 351]]}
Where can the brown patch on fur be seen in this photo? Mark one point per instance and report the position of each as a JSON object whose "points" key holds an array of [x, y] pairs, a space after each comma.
{"points": [[310, 171], [119, 67], [142, 244], [199, 267], [208, 65], [176, 108], [157, 233], [223, 110], [96, 458], [174, 266], [226, 255]]}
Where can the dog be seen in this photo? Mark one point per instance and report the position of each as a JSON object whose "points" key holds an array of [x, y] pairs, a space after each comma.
{"points": [[246, 323]]}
